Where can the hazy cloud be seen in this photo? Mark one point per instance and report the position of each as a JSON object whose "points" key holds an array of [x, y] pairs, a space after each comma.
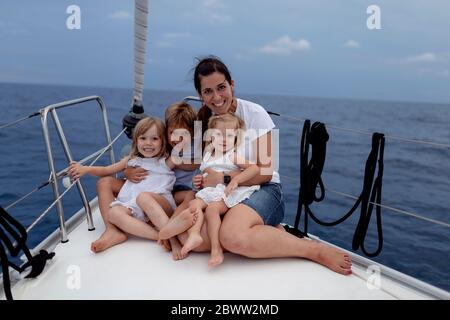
{"points": [[212, 10], [169, 39], [120, 15], [177, 35], [427, 57], [351, 44], [286, 46]]}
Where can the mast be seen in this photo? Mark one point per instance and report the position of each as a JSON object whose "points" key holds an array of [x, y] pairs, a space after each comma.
{"points": [[136, 112]]}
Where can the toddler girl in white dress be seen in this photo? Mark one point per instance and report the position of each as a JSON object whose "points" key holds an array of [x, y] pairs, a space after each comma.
{"points": [[225, 132]]}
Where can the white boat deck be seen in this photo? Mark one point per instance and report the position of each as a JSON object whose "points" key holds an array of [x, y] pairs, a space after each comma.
{"points": [[140, 269]]}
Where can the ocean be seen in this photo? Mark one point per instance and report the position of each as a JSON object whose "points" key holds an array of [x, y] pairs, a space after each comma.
{"points": [[416, 176]]}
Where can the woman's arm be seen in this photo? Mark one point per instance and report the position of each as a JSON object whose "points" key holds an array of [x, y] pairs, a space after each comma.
{"points": [[188, 166], [263, 147], [76, 170]]}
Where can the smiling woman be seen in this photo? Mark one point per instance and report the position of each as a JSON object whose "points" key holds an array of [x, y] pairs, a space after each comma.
{"points": [[251, 228]]}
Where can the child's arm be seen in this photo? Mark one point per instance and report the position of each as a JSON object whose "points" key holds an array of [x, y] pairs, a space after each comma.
{"points": [[250, 171], [77, 170], [170, 163]]}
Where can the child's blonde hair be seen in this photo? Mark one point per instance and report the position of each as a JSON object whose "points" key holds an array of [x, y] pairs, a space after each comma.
{"points": [[181, 114], [141, 128], [237, 123]]}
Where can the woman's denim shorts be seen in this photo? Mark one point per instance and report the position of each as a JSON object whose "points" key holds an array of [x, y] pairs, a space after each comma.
{"points": [[268, 202], [181, 187]]}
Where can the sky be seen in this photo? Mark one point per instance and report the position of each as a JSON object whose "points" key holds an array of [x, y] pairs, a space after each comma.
{"points": [[319, 48]]}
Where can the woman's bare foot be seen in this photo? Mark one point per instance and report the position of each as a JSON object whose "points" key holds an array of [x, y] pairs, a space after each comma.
{"points": [[332, 258], [280, 227], [111, 237], [216, 258], [179, 224], [192, 242], [176, 249]]}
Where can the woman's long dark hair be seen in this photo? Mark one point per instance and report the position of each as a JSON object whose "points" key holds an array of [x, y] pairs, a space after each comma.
{"points": [[205, 67]]}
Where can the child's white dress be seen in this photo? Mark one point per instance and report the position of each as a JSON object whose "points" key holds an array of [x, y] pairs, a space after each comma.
{"points": [[222, 164], [160, 180]]}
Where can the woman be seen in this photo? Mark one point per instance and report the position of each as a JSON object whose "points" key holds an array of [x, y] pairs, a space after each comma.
{"points": [[249, 228]]}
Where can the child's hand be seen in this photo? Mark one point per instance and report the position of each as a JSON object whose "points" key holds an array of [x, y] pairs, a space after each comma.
{"points": [[230, 187], [76, 170], [197, 181]]}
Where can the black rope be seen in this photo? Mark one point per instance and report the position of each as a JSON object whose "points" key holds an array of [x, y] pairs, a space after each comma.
{"points": [[6, 125], [130, 120], [19, 234], [310, 178]]}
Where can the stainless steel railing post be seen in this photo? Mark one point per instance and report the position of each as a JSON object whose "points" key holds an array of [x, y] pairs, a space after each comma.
{"points": [[69, 157], [106, 127], [54, 180]]}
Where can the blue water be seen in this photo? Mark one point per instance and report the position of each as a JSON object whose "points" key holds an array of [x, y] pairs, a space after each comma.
{"points": [[416, 178]]}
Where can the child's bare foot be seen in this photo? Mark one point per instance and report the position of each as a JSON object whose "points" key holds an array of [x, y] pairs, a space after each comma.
{"points": [[176, 249], [165, 244], [216, 258], [192, 242], [332, 258], [111, 237], [179, 224]]}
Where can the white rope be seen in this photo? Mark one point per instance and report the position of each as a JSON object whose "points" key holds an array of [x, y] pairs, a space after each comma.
{"points": [[412, 214], [140, 40]]}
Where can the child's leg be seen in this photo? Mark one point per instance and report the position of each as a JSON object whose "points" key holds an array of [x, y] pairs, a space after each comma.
{"points": [[194, 238], [212, 217], [122, 218], [107, 189], [158, 209], [182, 198], [181, 220]]}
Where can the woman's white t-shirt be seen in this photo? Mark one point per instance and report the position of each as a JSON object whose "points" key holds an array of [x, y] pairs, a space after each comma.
{"points": [[258, 123]]}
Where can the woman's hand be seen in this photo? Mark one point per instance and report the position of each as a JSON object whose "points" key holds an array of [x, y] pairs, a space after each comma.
{"points": [[76, 170], [213, 178], [197, 181], [230, 187], [135, 174]]}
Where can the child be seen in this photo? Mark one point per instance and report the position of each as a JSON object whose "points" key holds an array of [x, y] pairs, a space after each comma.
{"points": [[148, 151], [220, 155], [180, 118]]}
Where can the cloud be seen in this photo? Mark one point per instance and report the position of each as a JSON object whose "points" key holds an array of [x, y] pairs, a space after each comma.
{"points": [[443, 73], [164, 44], [427, 57], [351, 44], [177, 35], [286, 46], [212, 10], [120, 15], [168, 39]]}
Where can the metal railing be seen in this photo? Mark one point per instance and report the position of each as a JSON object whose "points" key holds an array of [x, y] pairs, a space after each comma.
{"points": [[44, 112]]}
